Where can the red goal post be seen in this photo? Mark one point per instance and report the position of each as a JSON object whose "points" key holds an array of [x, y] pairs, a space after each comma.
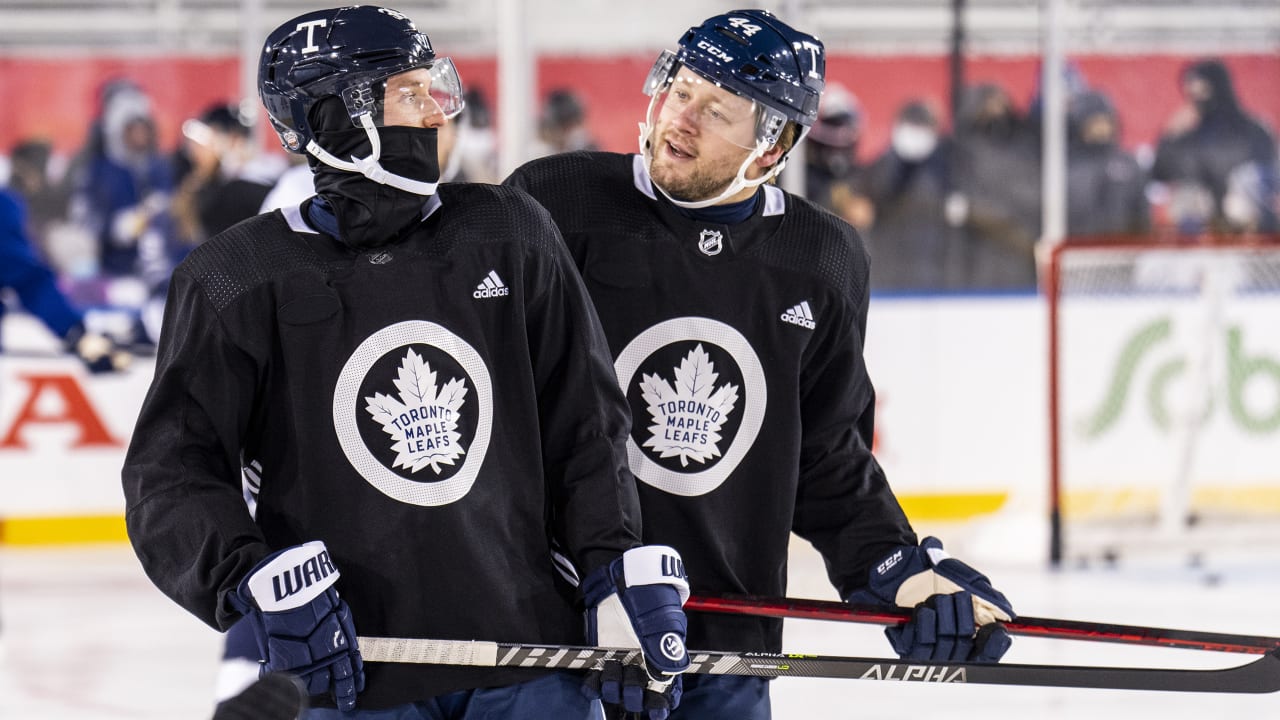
{"points": [[1164, 391]]}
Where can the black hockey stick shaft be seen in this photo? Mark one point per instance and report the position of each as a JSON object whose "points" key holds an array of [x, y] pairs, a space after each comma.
{"points": [[1023, 625], [1260, 676], [29, 354]]}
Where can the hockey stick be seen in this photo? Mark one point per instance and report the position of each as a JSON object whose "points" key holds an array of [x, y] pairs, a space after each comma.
{"points": [[1260, 676], [134, 349], [30, 354], [1024, 625]]}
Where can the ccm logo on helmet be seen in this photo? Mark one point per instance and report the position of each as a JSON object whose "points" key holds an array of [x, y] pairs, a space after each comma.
{"points": [[714, 51]]}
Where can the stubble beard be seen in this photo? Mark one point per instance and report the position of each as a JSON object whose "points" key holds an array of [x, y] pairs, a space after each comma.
{"points": [[700, 183]]}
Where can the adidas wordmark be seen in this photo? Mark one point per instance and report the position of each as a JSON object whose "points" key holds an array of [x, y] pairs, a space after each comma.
{"points": [[799, 315], [491, 286]]}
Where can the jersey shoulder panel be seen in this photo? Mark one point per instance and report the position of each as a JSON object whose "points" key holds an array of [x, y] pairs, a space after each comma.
{"points": [[247, 255], [815, 242], [582, 190], [571, 170], [484, 213]]}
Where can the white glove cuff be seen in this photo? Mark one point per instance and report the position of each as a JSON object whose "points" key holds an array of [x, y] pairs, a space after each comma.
{"points": [[293, 578], [655, 565]]}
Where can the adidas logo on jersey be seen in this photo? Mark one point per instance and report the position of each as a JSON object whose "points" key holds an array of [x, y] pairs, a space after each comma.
{"points": [[491, 286], [799, 315]]}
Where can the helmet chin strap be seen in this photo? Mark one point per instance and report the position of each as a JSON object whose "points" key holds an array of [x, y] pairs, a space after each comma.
{"points": [[370, 167], [739, 182]]}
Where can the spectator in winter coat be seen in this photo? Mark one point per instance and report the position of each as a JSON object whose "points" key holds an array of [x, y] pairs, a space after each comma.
{"points": [[121, 179], [833, 176], [1106, 188], [997, 182], [1212, 147]]}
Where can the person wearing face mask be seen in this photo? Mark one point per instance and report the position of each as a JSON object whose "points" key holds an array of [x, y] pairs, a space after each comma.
{"points": [[412, 380], [736, 314], [1106, 187], [238, 669], [911, 243], [297, 183], [1209, 144]]}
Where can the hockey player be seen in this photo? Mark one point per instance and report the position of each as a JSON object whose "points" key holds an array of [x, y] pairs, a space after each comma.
{"points": [[418, 381], [736, 315], [37, 288], [239, 667]]}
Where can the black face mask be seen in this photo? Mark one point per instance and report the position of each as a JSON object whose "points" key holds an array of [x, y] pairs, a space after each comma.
{"points": [[371, 214]]}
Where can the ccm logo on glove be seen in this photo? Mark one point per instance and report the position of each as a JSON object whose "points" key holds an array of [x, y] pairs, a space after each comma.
{"points": [[889, 562]]}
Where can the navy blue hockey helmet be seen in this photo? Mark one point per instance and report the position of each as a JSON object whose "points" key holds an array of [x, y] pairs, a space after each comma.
{"points": [[753, 55], [345, 52], [756, 55]]}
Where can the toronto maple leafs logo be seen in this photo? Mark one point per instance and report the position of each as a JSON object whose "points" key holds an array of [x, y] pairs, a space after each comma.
{"points": [[687, 416], [423, 421], [698, 395], [413, 410]]}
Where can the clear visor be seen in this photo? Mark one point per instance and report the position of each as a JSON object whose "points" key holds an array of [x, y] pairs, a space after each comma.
{"points": [[425, 96], [685, 98]]}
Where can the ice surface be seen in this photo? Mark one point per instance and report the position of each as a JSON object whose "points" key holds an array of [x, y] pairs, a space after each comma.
{"points": [[86, 636]]}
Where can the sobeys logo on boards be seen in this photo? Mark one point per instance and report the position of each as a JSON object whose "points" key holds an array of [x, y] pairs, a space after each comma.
{"points": [[1251, 390]]}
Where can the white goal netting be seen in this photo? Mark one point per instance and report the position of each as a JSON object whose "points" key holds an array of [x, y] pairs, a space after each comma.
{"points": [[1165, 395]]}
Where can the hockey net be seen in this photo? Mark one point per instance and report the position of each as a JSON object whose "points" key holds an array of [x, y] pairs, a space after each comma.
{"points": [[1164, 396]]}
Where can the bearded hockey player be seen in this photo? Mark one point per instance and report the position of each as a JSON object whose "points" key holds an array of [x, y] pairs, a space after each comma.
{"points": [[736, 315], [418, 382]]}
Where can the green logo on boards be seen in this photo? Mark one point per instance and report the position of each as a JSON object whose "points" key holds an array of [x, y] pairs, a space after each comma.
{"points": [[1241, 370]]}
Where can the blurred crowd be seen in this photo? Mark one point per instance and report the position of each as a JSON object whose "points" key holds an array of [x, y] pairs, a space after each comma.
{"points": [[104, 227], [942, 208], [961, 209]]}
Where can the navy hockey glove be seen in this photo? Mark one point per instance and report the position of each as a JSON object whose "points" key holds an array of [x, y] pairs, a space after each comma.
{"points": [[955, 611], [99, 353], [301, 626], [637, 601]]}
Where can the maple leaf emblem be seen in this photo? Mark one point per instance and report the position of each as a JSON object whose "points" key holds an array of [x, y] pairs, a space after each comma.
{"points": [[423, 422], [688, 417]]}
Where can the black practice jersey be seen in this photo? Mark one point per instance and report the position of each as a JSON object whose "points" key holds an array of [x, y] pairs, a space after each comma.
{"points": [[440, 412], [740, 352]]}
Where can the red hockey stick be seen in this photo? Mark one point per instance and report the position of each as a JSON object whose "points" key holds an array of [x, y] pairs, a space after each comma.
{"points": [[1024, 625]]}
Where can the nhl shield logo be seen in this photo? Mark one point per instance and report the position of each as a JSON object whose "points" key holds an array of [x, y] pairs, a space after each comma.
{"points": [[711, 242], [413, 410]]}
